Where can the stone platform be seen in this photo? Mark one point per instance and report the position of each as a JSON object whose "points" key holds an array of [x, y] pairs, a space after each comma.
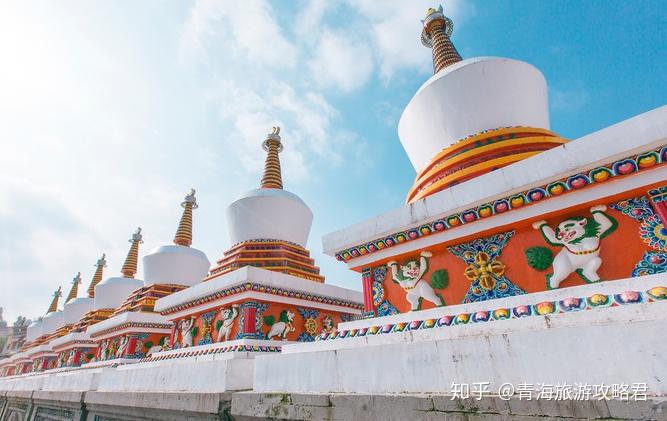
{"points": [[251, 406], [532, 339]]}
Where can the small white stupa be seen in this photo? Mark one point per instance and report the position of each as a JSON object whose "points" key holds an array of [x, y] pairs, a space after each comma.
{"points": [[270, 212], [178, 263], [113, 291], [75, 307]]}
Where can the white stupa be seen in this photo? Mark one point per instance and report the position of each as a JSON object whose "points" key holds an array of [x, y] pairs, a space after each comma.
{"points": [[54, 319], [177, 263], [75, 307], [472, 116], [111, 293], [270, 212]]}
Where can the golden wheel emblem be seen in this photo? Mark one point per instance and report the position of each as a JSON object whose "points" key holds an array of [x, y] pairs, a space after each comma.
{"points": [[311, 326], [484, 269]]}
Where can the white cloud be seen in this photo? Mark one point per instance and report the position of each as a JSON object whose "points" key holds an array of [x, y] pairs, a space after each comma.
{"points": [[245, 28], [395, 28], [341, 62], [106, 121]]}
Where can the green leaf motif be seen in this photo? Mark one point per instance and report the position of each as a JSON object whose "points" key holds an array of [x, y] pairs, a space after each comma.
{"points": [[539, 258], [269, 320], [440, 279]]}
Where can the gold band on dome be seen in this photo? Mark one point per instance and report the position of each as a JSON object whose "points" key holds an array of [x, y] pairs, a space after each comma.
{"points": [[74, 291], [54, 303], [480, 154], [97, 277], [184, 232], [131, 261], [272, 178]]}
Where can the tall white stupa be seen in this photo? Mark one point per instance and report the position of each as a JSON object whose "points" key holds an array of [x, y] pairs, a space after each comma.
{"points": [[472, 116]]}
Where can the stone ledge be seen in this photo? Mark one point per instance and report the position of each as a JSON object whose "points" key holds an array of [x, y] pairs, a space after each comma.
{"points": [[247, 406], [208, 403], [69, 397]]}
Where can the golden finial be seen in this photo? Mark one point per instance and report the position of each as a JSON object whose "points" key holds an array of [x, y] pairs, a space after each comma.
{"points": [[435, 35], [272, 178], [184, 232], [54, 303], [130, 266], [97, 277], [73, 292]]}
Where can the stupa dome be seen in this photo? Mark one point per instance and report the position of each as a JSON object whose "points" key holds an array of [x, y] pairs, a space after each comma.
{"points": [[469, 97], [269, 227], [472, 116], [111, 292], [52, 322], [270, 212], [75, 307], [274, 214], [178, 263], [34, 331]]}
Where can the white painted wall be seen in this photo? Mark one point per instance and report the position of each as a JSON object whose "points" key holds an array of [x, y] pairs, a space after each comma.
{"points": [[470, 96], [561, 347]]}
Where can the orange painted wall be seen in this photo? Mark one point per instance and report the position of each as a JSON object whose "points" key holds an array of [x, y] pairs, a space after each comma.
{"points": [[620, 252]]}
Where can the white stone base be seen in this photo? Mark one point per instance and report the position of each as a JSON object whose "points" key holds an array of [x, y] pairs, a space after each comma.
{"points": [[612, 345], [202, 372]]}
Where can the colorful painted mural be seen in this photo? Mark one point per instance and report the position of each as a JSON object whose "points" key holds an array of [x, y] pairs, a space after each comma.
{"points": [[590, 243], [255, 320]]}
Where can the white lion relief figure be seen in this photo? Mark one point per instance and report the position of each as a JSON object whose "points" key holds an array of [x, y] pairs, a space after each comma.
{"points": [[580, 239], [124, 342], [70, 358], [228, 317], [410, 277], [103, 351], [186, 332], [328, 325], [282, 327]]}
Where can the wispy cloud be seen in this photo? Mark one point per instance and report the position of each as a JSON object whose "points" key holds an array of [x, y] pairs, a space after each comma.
{"points": [[105, 121]]}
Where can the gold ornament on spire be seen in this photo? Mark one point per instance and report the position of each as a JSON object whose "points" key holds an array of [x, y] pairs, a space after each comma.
{"points": [[97, 277], [272, 178], [435, 35], [74, 291], [132, 259], [54, 303], [184, 232]]}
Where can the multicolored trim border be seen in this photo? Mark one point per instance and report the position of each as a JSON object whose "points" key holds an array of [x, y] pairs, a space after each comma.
{"points": [[566, 305], [249, 286], [231, 348], [133, 324], [75, 343], [622, 167]]}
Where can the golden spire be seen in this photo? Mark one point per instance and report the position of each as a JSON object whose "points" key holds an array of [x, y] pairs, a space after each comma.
{"points": [[435, 35], [184, 232], [272, 178], [97, 277], [75, 288], [130, 265], [54, 304]]}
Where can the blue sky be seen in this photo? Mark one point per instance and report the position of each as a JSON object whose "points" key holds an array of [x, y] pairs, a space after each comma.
{"points": [[110, 111]]}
